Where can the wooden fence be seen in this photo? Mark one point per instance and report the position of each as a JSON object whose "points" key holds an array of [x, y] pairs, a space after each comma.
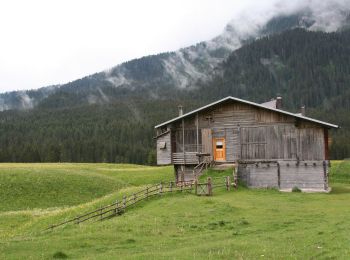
{"points": [[119, 207]]}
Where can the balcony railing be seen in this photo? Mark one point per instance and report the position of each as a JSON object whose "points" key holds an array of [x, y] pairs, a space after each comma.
{"points": [[189, 148]]}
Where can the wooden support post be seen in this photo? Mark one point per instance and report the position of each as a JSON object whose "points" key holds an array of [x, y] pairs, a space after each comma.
{"points": [[197, 136], [183, 140], [195, 187], [210, 192], [325, 174], [279, 175], [228, 183], [124, 202], [134, 197]]}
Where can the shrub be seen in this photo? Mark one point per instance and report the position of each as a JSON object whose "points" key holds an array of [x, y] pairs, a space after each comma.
{"points": [[60, 255], [296, 189]]}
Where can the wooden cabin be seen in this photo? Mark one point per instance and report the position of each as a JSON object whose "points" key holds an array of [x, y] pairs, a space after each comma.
{"points": [[269, 146]]}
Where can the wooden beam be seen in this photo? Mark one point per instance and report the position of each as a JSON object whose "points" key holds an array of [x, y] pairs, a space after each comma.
{"points": [[183, 139], [326, 148], [197, 134]]}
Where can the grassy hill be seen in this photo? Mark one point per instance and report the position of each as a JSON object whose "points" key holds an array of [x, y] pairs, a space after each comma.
{"points": [[243, 223]]}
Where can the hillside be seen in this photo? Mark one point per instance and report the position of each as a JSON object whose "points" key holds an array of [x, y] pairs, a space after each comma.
{"points": [[306, 68], [157, 76], [243, 223], [154, 76]]}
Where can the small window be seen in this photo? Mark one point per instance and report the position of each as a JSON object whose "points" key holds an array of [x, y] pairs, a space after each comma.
{"points": [[219, 145], [162, 145]]}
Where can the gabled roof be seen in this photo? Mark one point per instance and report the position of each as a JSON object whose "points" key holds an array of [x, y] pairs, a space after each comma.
{"points": [[252, 104]]}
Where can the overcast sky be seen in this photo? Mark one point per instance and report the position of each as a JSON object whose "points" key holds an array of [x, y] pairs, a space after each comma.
{"points": [[47, 42]]}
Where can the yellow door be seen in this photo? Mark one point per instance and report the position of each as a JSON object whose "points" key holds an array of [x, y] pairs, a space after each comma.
{"points": [[219, 149]]}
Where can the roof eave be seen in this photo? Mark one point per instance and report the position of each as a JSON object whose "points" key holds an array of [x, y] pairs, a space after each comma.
{"points": [[249, 103]]}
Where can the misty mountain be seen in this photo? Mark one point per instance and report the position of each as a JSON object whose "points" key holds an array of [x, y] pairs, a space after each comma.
{"points": [[311, 68], [109, 116], [158, 75]]}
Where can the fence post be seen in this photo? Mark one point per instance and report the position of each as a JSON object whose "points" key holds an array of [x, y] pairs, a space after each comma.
{"points": [[124, 202], [278, 175], [235, 178], [147, 192], [101, 214], [134, 197], [160, 188], [196, 186], [209, 186], [228, 183], [116, 207]]}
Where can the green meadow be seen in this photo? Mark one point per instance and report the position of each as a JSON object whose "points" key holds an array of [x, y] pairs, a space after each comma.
{"points": [[236, 224]]}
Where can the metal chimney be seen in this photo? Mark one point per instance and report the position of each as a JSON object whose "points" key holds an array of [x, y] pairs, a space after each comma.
{"points": [[181, 112], [278, 102], [302, 111]]}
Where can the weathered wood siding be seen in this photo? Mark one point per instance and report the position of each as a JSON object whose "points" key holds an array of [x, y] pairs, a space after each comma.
{"points": [[305, 175], [262, 176], [285, 175], [164, 154], [206, 140], [282, 142], [250, 133]]}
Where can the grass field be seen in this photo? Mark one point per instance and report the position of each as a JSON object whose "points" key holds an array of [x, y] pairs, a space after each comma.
{"points": [[243, 223]]}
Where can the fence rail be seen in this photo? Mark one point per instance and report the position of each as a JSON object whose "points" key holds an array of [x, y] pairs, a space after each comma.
{"points": [[119, 207]]}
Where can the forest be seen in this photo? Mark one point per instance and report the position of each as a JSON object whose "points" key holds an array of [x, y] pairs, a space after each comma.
{"points": [[306, 68]]}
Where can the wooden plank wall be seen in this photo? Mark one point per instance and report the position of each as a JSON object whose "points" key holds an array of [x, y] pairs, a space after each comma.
{"points": [[206, 140], [253, 133], [282, 142], [264, 176], [306, 175], [227, 116], [164, 155]]}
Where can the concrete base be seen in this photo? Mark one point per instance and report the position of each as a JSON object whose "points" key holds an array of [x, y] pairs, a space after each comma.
{"points": [[309, 190]]}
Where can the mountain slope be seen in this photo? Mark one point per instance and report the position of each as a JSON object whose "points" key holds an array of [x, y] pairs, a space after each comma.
{"points": [[310, 68], [307, 68], [156, 75]]}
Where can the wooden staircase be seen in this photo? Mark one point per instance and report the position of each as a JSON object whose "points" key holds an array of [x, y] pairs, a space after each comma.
{"points": [[205, 164]]}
